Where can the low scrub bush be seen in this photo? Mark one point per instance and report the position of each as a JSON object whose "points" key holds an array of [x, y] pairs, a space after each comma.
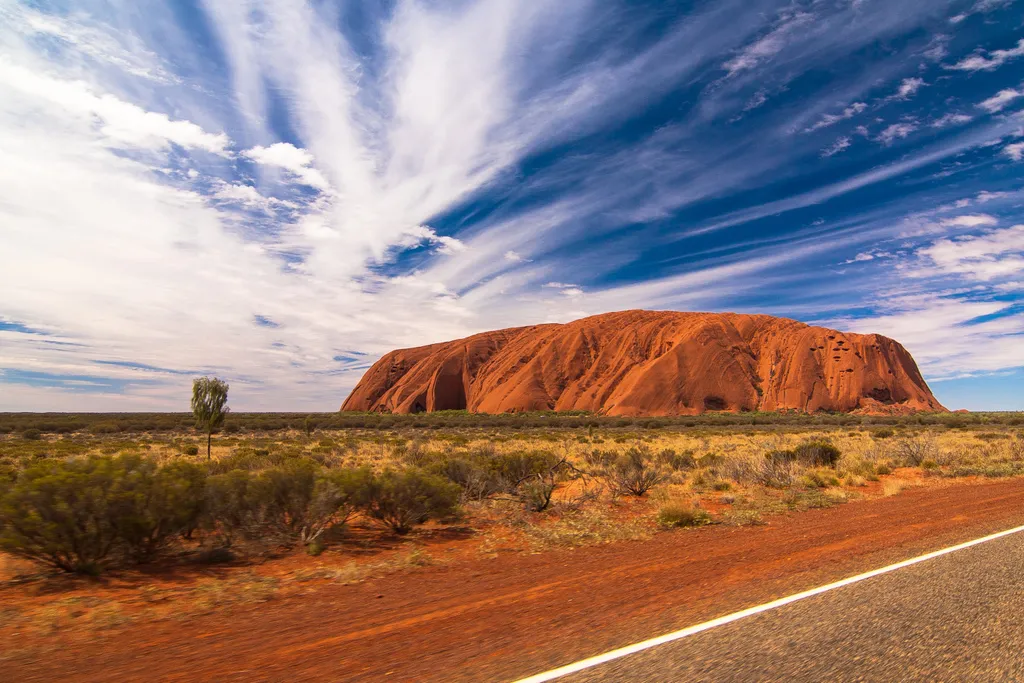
{"points": [[809, 454], [401, 500], [31, 435], [536, 494], [228, 507], [990, 469], [60, 514], [774, 472], [1016, 448], [677, 514], [912, 451], [473, 475], [156, 504], [817, 454], [599, 459], [742, 517], [532, 476], [300, 501], [83, 515], [635, 472], [677, 462], [514, 469], [819, 479]]}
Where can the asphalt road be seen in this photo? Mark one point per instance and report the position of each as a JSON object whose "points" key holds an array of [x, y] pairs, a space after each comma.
{"points": [[959, 617]]}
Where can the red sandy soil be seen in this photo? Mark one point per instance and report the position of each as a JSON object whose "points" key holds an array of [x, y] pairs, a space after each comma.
{"points": [[651, 363], [499, 619]]}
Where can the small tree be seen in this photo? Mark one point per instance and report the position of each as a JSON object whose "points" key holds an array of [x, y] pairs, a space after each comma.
{"points": [[209, 405]]}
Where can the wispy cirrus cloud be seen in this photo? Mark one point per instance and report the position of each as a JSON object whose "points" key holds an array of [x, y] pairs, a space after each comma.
{"points": [[993, 60], [1000, 100], [832, 119]]}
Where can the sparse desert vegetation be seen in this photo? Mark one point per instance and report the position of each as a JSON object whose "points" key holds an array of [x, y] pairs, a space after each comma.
{"points": [[275, 509]]}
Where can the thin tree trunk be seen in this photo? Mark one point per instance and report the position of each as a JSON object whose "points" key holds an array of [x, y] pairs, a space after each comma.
{"points": [[209, 436]]}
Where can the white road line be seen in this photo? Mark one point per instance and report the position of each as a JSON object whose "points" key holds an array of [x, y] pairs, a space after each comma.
{"points": [[736, 616]]}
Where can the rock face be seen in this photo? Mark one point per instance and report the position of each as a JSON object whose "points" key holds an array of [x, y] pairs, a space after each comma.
{"points": [[651, 363]]}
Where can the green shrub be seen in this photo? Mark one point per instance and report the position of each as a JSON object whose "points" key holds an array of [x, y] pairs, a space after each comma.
{"points": [[819, 479], [473, 475], [156, 504], [635, 473], [929, 465], [229, 509], [809, 454], [817, 454], [598, 458], [511, 470], [882, 469], [677, 462], [780, 457], [63, 514], [401, 500], [301, 502], [536, 493], [105, 428], [31, 435], [882, 433], [190, 450], [675, 514]]}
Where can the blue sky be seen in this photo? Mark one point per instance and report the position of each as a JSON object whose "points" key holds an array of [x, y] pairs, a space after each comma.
{"points": [[278, 192]]}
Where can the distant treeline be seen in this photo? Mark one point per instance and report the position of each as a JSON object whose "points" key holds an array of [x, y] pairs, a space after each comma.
{"points": [[115, 423]]}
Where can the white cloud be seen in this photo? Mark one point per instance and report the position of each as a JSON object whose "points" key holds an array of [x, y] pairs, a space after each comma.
{"points": [[919, 322], [513, 256], [895, 131], [289, 157], [249, 196], [759, 98], [986, 196], [950, 120], [970, 221], [1015, 151], [832, 119], [909, 87], [117, 48], [120, 122], [937, 48], [996, 58], [998, 101], [838, 146], [419, 234], [450, 245], [860, 258], [768, 45], [983, 257]]}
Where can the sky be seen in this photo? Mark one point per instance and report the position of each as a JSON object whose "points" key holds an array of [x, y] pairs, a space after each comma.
{"points": [[278, 192]]}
